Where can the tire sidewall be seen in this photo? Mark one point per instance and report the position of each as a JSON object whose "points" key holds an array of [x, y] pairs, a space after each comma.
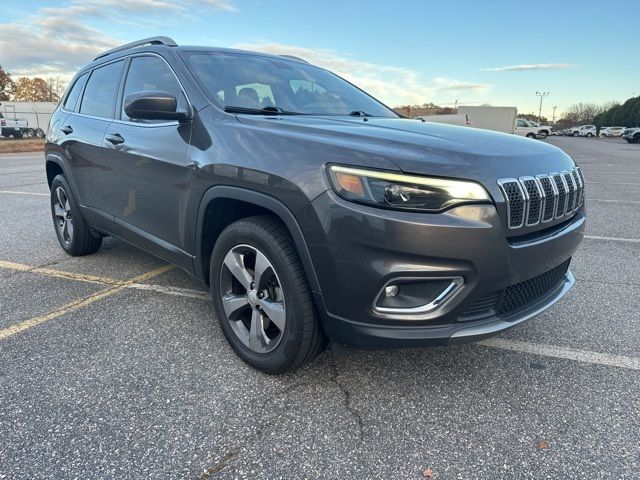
{"points": [[285, 352], [78, 223]]}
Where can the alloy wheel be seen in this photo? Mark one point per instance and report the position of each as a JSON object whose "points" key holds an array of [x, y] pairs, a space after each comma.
{"points": [[252, 298], [63, 215]]}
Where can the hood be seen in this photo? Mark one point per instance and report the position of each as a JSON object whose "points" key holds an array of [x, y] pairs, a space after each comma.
{"points": [[426, 148]]}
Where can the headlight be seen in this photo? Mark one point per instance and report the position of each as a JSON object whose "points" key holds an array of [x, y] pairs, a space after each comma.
{"points": [[405, 192]]}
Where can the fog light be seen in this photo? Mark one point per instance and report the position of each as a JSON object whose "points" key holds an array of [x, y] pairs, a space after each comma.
{"points": [[391, 291]]}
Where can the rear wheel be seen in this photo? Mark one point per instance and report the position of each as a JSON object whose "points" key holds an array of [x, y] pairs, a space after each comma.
{"points": [[531, 135], [261, 296], [39, 133], [72, 231]]}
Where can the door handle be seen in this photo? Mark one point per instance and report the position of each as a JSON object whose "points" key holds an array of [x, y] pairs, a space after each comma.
{"points": [[114, 138], [66, 129]]}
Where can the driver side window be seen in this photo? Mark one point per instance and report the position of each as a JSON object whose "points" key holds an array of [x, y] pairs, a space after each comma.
{"points": [[151, 73]]}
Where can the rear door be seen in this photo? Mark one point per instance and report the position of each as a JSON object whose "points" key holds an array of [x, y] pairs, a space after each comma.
{"points": [[150, 161], [83, 130]]}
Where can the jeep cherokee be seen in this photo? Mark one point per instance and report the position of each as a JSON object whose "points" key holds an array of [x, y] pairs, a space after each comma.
{"points": [[311, 210]]}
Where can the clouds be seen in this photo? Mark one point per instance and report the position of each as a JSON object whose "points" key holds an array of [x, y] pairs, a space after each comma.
{"points": [[57, 41], [393, 85], [529, 67]]}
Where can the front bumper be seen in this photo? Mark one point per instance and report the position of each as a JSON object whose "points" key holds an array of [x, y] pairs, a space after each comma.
{"points": [[357, 249]]}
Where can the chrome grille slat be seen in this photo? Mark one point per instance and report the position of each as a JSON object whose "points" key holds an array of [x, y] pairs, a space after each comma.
{"points": [[543, 198]]}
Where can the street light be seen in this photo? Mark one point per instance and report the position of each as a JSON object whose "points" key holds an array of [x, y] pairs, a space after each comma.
{"points": [[541, 95]]}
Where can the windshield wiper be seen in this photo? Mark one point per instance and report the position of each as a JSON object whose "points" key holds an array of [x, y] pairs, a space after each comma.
{"points": [[359, 113], [259, 111]]}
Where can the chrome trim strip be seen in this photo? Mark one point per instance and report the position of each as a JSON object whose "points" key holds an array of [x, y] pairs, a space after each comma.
{"points": [[455, 286], [522, 181], [574, 181], [501, 184]]}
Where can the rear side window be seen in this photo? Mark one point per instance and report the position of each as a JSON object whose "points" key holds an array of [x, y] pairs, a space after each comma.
{"points": [[72, 99], [152, 73], [100, 94]]}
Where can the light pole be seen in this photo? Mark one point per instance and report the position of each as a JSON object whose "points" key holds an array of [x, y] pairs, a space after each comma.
{"points": [[554, 115], [541, 95]]}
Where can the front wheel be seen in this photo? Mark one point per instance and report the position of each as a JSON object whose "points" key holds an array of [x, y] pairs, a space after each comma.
{"points": [[531, 135], [261, 296], [543, 134], [73, 234], [589, 135]]}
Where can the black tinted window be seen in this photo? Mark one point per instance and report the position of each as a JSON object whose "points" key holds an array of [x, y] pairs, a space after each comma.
{"points": [[152, 73], [100, 95], [74, 94]]}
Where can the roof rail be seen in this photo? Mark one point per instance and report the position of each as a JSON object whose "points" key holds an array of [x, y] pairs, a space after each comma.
{"points": [[292, 57], [170, 42]]}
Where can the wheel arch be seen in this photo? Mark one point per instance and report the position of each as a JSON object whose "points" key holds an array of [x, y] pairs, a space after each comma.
{"points": [[222, 205], [54, 166]]}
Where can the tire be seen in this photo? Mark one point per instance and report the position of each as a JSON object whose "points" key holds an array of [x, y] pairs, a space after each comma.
{"points": [[543, 134], [30, 133], [574, 134], [589, 135], [73, 234], [531, 135], [281, 292], [40, 133]]}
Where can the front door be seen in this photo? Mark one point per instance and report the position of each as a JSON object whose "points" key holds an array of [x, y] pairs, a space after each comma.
{"points": [[150, 161]]}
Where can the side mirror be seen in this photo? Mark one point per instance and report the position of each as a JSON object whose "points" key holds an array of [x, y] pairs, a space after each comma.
{"points": [[153, 105]]}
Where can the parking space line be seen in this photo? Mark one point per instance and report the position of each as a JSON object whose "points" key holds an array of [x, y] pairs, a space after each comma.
{"points": [[77, 304], [176, 291], [613, 239], [621, 361], [25, 193], [630, 202], [59, 273], [589, 182]]}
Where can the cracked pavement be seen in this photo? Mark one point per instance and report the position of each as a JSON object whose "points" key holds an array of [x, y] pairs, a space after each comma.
{"points": [[142, 384]]}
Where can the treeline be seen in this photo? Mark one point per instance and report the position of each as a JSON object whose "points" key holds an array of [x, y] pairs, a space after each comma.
{"points": [[625, 115], [30, 89]]}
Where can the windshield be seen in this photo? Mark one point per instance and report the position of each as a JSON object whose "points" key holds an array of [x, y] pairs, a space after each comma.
{"points": [[241, 83]]}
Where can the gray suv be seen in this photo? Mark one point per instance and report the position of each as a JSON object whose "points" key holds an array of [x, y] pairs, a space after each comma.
{"points": [[312, 210]]}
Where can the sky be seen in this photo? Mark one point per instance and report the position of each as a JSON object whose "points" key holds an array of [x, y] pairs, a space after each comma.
{"points": [[403, 52]]}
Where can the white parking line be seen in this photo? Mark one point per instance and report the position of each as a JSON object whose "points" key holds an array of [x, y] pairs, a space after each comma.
{"points": [[630, 202], [613, 239], [621, 361], [176, 291], [25, 193], [589, 182]]}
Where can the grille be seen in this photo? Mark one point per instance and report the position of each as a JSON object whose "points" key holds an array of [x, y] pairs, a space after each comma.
{"points": [[516, 297], [540, 199], [524, 293]]}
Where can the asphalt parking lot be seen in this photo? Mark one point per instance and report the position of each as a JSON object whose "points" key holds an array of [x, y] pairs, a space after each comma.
{"points": [[112, 366]]}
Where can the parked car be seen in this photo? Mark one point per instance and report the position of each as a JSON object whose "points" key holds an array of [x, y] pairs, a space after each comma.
{"points": [[311, 209], [583, 131], [530, 129], [611, 132], [631, 135], [12, 127]]}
